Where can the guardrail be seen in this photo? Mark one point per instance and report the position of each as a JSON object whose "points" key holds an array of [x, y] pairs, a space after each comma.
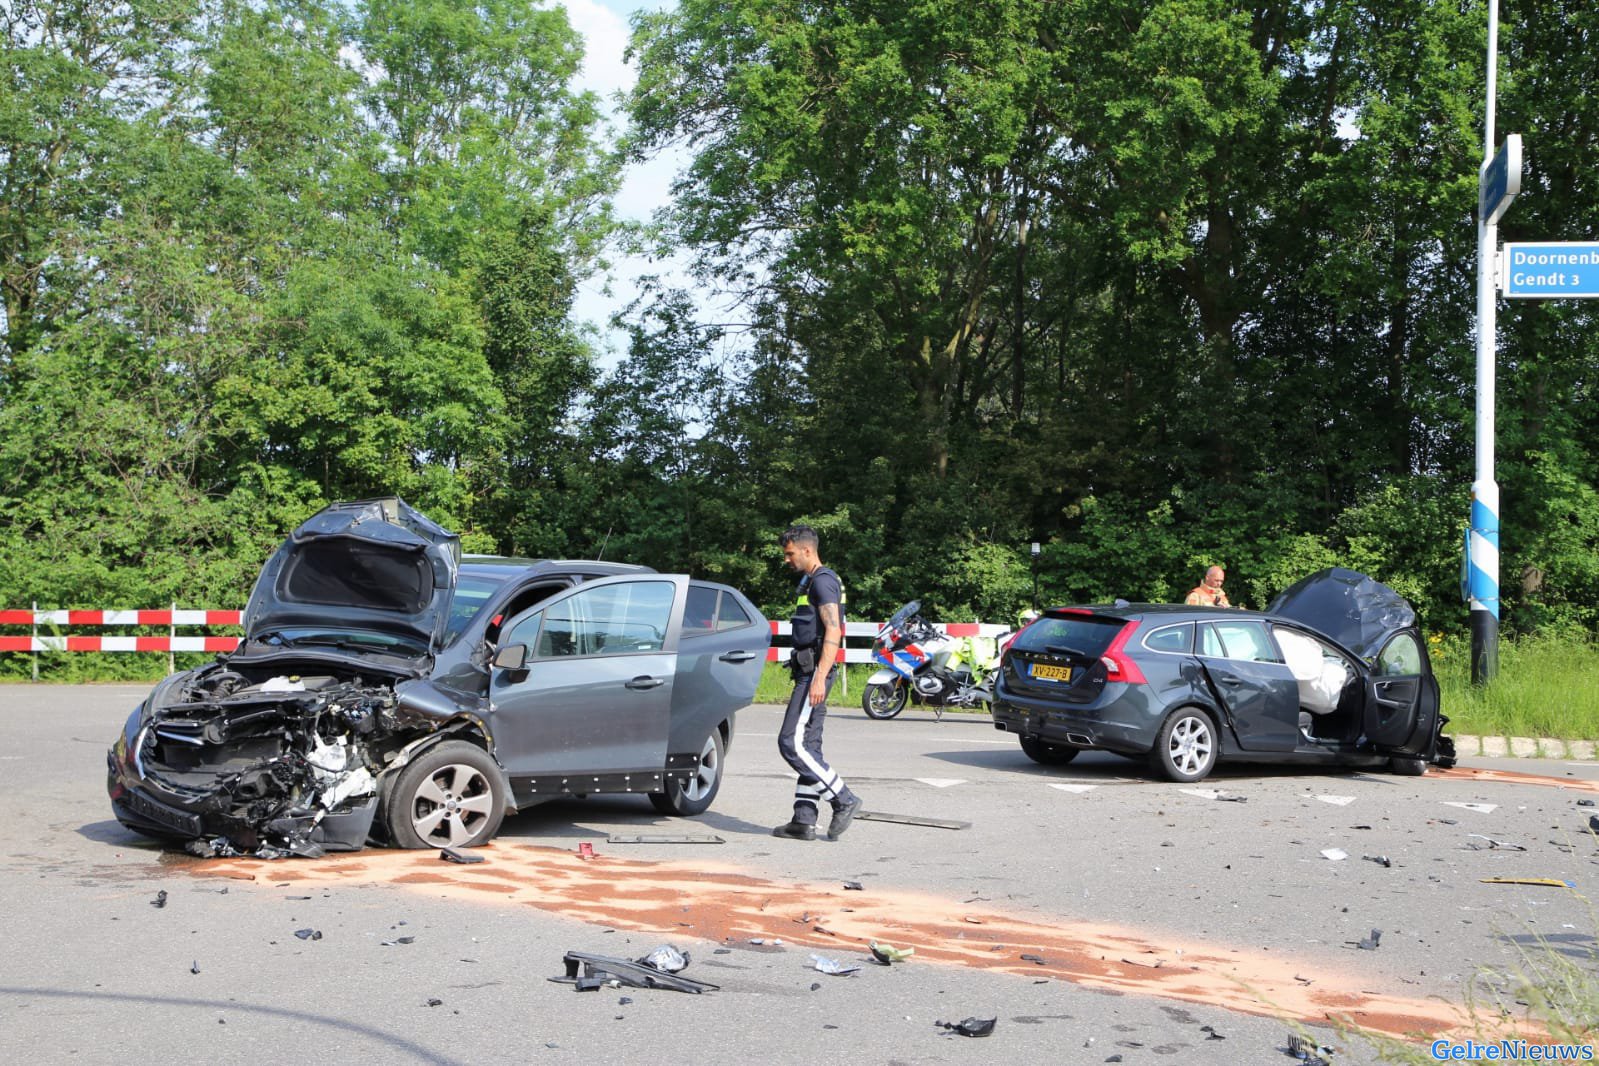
{"points": [[173, 618]]}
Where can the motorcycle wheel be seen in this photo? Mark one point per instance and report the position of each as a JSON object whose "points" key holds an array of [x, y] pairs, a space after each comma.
{"points": [[885, 700]]}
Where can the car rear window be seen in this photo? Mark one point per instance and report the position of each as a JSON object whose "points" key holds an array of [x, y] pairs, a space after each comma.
{"points": [[342, 572], [1088, 635]]}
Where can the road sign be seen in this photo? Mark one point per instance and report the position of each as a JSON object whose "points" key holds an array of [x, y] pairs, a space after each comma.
{"points": [[1500, 180], [1550, 269]]}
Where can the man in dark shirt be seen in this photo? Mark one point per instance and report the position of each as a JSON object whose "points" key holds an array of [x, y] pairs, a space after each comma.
{"points": [[818, 629]]}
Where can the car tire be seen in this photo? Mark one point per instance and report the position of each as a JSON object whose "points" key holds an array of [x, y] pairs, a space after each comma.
{"points": [[686, 797], [1407, 767], [1043, 752], [452, 795], [1185, 747], [884, 700]]}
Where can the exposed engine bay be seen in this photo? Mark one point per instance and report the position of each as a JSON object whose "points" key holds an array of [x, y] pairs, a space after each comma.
{"points": [[281, 763]]}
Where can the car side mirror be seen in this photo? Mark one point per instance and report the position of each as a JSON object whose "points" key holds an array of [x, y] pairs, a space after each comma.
{"points": [[511, 657]]}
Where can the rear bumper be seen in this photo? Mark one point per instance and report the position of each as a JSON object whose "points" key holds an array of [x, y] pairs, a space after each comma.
{"points": [[1078, 728]]}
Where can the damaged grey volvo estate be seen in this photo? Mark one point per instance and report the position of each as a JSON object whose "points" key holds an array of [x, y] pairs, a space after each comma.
{"points": [[388, 689]]}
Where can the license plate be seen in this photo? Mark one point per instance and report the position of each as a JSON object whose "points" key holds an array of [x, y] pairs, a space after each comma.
{"points": [[1045, 672], [182, 821]]}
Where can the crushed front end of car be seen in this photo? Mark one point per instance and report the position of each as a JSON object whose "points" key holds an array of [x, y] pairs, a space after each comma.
{"points": [[279, 747], [269, 765]]}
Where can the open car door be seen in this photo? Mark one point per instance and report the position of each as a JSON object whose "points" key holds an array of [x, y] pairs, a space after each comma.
{"points": [[1401, 711], [590, 707]]}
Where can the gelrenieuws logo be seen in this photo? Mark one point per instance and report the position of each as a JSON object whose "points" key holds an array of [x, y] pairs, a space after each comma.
{"points": [[1510, 1051]]}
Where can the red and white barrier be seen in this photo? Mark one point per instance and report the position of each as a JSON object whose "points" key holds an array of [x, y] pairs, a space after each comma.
{"points": [[869, 630], [170, 618], [173, 643]]}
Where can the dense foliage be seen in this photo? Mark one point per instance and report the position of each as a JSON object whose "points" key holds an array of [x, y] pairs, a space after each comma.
{"points": [[1154, 284]]}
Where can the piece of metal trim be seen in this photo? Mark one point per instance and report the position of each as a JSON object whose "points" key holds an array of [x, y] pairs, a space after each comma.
{"points": [[910, 819], [648, 839]]}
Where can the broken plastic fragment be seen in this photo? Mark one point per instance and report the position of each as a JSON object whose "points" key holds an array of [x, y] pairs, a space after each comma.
{"points": [[1380, 860], [666, 959], [194, 967], [854, 886], [602, 971], [971, 1026], [1494, 845], [214, 848], [1335, 854], [888, 953], [308, 934], [1370, 942], [432, 1002], [160, 899], [464, 858], [1550, 882], [1308, 1051], [397, 940], [1211, 1033], [1036, 959], [823, 964]]}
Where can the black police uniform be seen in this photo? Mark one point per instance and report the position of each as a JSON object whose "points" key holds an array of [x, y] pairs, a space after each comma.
{"points": [[800, 738]]}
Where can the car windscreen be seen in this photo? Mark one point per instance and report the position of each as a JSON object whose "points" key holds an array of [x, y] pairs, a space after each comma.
{"points": [[1079, 634], [472, 591], [345, 572]]}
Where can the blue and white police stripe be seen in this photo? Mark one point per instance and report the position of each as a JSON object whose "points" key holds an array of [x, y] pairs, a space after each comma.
{"points": [[1482, 549]]}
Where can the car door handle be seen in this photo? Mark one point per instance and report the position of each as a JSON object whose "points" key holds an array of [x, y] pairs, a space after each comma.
{"points": [[1232, 681], [737, 657], [646, 682]]}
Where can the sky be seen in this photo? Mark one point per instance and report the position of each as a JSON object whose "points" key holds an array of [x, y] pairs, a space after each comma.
{"points": [[604, 26]]}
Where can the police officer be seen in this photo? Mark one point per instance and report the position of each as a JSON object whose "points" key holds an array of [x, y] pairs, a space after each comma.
{"points": [[818, 629]]}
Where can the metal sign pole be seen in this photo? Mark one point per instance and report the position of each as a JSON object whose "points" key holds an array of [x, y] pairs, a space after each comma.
{"points": [[1483, 545]]}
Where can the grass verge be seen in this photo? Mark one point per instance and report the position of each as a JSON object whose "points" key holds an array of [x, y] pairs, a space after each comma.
{"points": [[1546, 687]]}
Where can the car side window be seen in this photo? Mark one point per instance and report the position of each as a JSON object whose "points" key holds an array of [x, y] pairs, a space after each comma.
{"points": [[616, 619], [699, 612], [1177, 639], [1400, 657], [1247, 641], [730, 615], [525, 631]]}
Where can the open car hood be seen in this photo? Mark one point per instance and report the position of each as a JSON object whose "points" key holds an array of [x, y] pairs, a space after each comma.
{"points": [[371, 565], [1357, 611]]}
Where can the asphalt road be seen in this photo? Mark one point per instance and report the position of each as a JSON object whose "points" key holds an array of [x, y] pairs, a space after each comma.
{"points": [[1091, 909]]}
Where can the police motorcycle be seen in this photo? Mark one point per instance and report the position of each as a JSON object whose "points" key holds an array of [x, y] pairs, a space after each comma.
{"points": [[924, 665]]}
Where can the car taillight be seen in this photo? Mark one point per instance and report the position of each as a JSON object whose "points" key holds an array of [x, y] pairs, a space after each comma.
{"points": [[1119, 666]]}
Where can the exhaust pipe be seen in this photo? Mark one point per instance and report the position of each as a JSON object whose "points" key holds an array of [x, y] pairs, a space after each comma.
{"points": [[1079, 739]]}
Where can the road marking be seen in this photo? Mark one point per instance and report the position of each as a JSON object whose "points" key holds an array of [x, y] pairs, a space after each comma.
{"points": [[1336, 801], [1074, 788], [1480, 808], [941, 782], [1202, 793]]}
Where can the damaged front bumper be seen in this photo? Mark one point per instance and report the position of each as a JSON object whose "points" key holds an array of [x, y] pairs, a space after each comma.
{"points": [[272, 766]]}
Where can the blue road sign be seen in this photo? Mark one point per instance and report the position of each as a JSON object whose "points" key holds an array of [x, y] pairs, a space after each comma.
{"points": [[1500, 180], [1550, 269]]}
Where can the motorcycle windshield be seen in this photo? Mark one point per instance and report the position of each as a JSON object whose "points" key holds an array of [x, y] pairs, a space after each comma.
{"points": [[899, 616]]}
